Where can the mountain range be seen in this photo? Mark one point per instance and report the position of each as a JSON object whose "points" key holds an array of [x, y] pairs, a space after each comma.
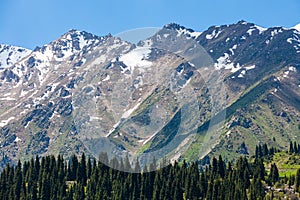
{"points": [[179, 94]]}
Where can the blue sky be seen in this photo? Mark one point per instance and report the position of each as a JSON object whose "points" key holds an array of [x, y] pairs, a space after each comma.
{"points": [[31, 23]]}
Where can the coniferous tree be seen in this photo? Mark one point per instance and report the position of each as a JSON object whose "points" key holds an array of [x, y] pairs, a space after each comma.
{"points": [[265, 150], [258, 169], [260, 151], [18, 181], [79, 192], [259, 189], [73, 167], [295, 147], [291, 150], [177, 191], [291, 180], [221, 167], [272, 151], [274, 175], [256, 151], [45, 186], [33, 193], [297, 181], [209, 193], [89, 168], [214, 170], [36, 167], [81, 170]]}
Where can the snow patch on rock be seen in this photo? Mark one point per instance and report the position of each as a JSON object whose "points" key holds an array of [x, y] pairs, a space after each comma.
{"points": [[214, 34], [137, 58], [10, 55]]}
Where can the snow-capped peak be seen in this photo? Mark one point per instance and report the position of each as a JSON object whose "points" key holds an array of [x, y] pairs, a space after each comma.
{"points": [[68, 44], [297, 27], [9, 55], [80, 35], [182, 30], [174, 26], [77, 40]]}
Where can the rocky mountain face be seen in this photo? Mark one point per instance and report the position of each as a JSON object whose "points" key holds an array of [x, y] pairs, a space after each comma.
{"points": [[263, 86], [10, 55], [178, 94]]}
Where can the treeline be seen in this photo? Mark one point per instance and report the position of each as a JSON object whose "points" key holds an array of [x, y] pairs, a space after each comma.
{"points": [[294, 148], [54, 178], [263, 151]]}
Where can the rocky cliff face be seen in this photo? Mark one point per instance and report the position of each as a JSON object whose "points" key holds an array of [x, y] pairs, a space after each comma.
{"points": [[180, 93]]}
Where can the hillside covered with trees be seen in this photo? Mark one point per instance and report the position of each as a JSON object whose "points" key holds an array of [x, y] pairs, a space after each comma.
{"points": [[84, 178]]}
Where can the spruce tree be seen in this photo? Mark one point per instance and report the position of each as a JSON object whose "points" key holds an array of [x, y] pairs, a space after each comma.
{"points": [[291, 150], [18, 180], [79, 192], [274, 175], [45, 186], [89, 168], [81, 171], [295, 147], [297, 181], [221, 167], [265, 150]]}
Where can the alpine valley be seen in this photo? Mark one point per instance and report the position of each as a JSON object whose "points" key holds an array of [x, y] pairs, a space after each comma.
{"points": [[179, 93]]}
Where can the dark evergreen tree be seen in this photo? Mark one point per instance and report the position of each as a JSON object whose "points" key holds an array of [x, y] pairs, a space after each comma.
{"points": [[274, 175], [297, 181], [291, 180], [79, 192], [295, 147], [214, 170], [81, 172], [260, 152], [258, 169], [291, 150], [18, 181], [73, 167], [265, 150], [256, 189], [45, 186], [89, 168], [221, 167]]}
